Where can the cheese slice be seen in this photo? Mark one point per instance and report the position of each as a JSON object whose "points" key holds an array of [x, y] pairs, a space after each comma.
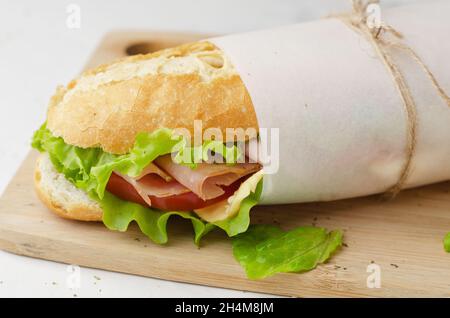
{"points": [[228, 208]]}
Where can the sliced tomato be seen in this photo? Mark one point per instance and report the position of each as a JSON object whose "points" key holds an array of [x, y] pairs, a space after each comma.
{"points": [[182, 202]]}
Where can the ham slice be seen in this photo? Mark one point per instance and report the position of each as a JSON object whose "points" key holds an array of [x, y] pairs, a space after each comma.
{"points": [[154, 169], [206, 180], [155, 182]]}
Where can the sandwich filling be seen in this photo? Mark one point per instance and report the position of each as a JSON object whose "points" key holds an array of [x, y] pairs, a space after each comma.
{"points": [[167, 185]]}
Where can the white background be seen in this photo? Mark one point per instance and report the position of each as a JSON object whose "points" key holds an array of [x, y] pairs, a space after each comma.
{"points": [[38, 52]]}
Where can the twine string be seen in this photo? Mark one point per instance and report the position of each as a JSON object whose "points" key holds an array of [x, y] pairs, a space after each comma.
{"points": [[357, 20]]}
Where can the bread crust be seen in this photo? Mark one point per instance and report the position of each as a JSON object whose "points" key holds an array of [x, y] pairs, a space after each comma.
{"points": [[106, 107], [82, 210]]}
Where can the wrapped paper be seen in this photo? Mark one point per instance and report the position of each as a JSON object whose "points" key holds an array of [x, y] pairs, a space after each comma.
{"points": [[343, 126]]}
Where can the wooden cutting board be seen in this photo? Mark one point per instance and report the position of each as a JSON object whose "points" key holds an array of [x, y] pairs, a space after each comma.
{"points": [[403, 237]]}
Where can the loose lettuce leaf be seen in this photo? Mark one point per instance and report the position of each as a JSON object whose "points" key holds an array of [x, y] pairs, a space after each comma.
{"points": [[118, 214], [265, 250], [89, 169], [447, 243]]}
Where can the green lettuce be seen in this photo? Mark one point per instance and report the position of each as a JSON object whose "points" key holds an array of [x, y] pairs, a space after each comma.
{"points": [[118, 214], [89, 169], [241, 221], [447, 242], [190, 156], [265, 250]]}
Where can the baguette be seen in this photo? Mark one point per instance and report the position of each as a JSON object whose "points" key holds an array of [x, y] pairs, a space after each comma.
{"points": [[169, 88]]}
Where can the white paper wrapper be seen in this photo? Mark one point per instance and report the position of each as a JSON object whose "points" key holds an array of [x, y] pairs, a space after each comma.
{"points": [[342, 122]]}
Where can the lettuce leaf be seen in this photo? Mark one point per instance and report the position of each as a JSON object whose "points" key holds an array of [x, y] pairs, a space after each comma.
{"points": [[191, 156], [265, 250], [447, 242], [118, 214], [89, 169], [241, 221]]}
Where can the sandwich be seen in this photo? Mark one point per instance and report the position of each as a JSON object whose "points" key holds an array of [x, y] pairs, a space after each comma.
{"points": [[110, 150]]}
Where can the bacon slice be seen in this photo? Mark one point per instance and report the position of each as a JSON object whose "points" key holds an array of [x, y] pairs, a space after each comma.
{"points": [[206, 179]]}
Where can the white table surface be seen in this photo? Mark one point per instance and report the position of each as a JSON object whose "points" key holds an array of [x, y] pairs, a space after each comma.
{"points": [[38, 51]]}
